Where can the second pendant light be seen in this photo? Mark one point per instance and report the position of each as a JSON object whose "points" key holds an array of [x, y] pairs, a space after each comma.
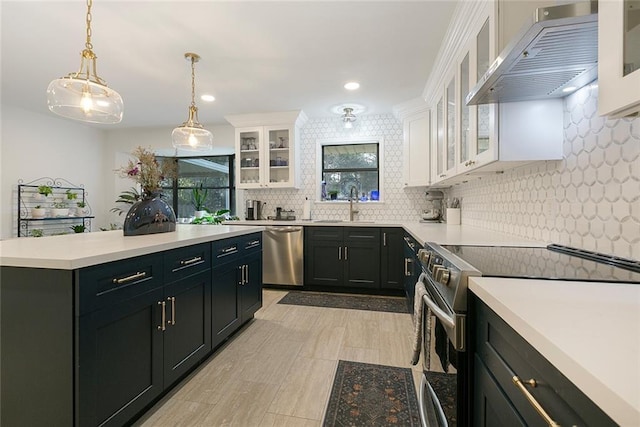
{"points": [[191, 135]]}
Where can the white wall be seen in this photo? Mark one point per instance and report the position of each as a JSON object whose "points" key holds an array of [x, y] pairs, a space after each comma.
{"points": [[33, 146], [120, 142]]}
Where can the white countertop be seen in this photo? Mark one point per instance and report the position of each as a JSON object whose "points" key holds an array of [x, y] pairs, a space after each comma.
{"points": [[423, 232], [71, 251], [589, 331]]}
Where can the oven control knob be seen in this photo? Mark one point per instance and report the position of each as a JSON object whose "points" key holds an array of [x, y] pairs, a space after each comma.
{"points": [[423, 256], [435, 269], [443, 276]]}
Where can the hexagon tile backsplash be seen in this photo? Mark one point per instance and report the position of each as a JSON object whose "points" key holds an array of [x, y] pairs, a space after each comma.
{"points": [[589, 200], [400, 204]]}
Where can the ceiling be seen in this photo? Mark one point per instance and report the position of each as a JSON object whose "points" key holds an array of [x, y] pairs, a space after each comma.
{"points": [[256, 56]]}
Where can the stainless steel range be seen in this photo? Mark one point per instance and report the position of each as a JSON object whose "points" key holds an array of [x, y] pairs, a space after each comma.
{"points": [[445, 389]]}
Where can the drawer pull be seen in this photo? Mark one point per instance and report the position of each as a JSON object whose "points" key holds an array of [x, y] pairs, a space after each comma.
{"points": [[229, 249], [164, 316], [138, 275], [191, 261], [532, 400], [253, 243]]}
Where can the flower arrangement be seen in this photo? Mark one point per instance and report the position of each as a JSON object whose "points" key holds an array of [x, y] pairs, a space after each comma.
{"points": [[148, 171]]}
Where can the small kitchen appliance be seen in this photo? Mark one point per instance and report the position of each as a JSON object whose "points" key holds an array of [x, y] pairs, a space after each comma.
{"points": [[254, 210], [445, 274]]}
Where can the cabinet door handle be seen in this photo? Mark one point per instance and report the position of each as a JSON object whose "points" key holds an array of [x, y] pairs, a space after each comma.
{"points": [[532, 400], [164, 316], [191, 261], [384, 239], [246, 279], [138, 275], [346, 257], [173, 311], [241, 268], [406, 269], [339, 253]]}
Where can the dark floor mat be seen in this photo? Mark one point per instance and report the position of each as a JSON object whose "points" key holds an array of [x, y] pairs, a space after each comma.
{"points": [[355, 302], [364, 394]]}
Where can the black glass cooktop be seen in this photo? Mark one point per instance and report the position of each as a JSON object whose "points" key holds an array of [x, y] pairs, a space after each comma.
{"points": [[551, 262]]}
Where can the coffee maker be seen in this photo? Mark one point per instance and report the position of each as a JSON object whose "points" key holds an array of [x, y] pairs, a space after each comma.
{"points": [[254, 210]]}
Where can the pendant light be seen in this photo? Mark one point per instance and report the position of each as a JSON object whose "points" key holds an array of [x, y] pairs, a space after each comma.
{"points": [[191, 135], [83, 95]]}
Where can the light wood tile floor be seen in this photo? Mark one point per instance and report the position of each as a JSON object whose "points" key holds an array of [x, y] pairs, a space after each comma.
{"points": [[278, 370]]}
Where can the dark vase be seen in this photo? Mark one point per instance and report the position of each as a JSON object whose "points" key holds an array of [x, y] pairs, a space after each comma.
{"points": [[149, 216]]}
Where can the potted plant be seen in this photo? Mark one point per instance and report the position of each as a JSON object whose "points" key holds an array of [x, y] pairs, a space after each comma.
{"points": [[71, 195], [333, 194], [37, 232], [81, 208], [78, 228], [59, 209], [38, 211], [198, 198], [43, 192]]}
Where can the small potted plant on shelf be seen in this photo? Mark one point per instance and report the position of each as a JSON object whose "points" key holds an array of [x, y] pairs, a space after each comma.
{"points": [[198, 198], [333, 194], [81, 208], [59, 209], [38, 212], [71, 195], [78, 228], [44, 191], [37, 232]]}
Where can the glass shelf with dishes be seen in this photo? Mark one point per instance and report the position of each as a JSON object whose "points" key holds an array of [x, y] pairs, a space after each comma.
{"points": [[51, 206]]}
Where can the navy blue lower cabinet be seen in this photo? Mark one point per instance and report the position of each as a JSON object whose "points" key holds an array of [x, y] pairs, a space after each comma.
{"points": [[500, 353], [236, 289]]}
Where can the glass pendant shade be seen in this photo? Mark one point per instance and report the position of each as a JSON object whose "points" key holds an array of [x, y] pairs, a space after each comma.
{"points": [[192, 136], [348, 118], [81, 99]]}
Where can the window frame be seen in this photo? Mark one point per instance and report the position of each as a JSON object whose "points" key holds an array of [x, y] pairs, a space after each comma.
{"points": [[320, 143], [231, 187]]}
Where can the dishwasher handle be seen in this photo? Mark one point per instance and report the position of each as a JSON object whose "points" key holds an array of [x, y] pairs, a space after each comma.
{"points": [[287, 229]]}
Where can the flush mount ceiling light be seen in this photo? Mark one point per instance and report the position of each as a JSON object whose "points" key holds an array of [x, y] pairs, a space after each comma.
{"points": [[83, 95], [191, 135], [348, 118]]}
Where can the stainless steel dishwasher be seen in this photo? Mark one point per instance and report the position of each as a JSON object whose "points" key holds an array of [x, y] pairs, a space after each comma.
{"points": [[282, 255]]}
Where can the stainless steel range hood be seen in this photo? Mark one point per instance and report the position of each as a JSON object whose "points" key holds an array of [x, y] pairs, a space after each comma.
{"points": [[559, 51]]}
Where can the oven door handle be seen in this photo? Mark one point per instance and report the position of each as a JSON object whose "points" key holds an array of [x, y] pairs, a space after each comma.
{"points": [[426, 391], [440, 314]]}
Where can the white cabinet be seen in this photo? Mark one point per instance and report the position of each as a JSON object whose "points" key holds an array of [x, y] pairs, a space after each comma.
{"points": [[619, 57], [416, 150], [267, 149], [469, 141], [444, 137]]}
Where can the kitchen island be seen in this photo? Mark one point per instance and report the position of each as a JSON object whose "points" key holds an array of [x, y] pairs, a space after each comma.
{"points": [[97, 326], [589, 331]]}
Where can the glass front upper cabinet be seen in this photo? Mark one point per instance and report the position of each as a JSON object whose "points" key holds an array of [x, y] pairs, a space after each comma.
{"points": [[619, 58]]}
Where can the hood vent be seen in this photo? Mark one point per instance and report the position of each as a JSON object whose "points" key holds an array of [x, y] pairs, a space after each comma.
{"points": [[560, 50]]}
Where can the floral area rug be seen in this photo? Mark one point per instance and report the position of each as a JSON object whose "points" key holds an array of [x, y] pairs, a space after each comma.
{"points": [[355, 302], [364, 394]]}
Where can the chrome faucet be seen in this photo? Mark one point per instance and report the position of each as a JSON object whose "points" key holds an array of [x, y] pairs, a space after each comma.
{"points": [[351, 211]]}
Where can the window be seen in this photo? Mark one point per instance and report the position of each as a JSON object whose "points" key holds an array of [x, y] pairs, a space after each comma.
{"points": [[345, 165], [215, 173]]}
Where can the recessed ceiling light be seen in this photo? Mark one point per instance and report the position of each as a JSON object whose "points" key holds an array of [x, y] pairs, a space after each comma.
{"points": [[569, 89], [208, 98], [352, 85]]}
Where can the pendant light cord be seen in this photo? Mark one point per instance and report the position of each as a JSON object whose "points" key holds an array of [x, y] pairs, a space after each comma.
{"points": [[193, 81], [88, 44]]}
